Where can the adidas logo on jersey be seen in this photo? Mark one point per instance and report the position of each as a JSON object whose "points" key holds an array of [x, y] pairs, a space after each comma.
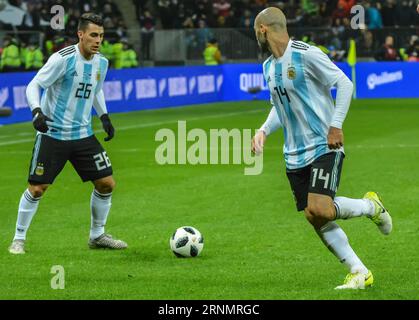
{"points": [[75, 73]]}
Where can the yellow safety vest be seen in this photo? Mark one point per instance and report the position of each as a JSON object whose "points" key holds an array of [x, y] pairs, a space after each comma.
{"points": [[29, 59], [10, 57], [38, 59], [209, 53], [107, 50], [117, 55]]}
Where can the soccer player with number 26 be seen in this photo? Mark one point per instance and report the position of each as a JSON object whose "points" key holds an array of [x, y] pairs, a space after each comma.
{"points": [[72, 79]]}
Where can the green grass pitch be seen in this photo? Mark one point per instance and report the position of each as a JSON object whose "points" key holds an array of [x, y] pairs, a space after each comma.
{"points": [[256, 245]]}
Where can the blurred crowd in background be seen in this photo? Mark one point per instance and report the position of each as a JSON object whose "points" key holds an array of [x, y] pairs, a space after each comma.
{"points": [[326, 24]]}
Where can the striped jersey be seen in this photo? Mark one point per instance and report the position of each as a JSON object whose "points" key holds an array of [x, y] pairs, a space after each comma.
{"points": [[299, 84], [71, 83]]}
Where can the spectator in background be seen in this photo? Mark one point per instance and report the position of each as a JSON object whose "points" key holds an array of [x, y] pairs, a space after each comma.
{"points": [[31, 20], [147, 32], [199, 16], [212, 54], [203, 34], [166, 9], [310, 7], [259, 5], [367, 42], [373, 16], [335, 55], [337, 34], [347, 5], [139, 7], [338, 14], [247, 19], [405, 15], [117, 54], [60, 42], [388, 13], [73, 15], [413, 52], [232, 21], [295, 17], [121, 29], [10, 58], [388, 52], [203, 11], [110, 26], [205, 7], [114, 8], [325, 16], [222, 8], [34, 58], [107, 50], [221, 22], [129, 56], [23, 49], [331, 5]]}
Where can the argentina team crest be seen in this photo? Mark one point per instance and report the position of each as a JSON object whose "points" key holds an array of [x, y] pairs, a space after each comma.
{"points": [[291, 73], [39, 170]]}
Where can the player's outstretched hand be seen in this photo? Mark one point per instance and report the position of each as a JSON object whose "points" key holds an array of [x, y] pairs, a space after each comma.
{"points": [[39, 120], [107, 126], [335, 138], [258, 142]]}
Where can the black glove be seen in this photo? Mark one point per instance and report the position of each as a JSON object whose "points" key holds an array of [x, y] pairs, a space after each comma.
{"points": [[107, 126], [39, 120]]}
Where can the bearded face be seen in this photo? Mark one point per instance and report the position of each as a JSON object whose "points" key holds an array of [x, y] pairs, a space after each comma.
{"points": [[262, 42]]}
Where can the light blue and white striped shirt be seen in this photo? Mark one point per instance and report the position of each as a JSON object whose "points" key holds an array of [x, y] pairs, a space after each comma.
{"points": [[71, 85], [300, 83]]}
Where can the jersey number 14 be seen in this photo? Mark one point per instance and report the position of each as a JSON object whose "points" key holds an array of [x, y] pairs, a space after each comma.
{"points": [[282, 92]]}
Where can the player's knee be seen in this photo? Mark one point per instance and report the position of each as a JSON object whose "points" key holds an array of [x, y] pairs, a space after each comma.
{"points": [[318, 211], [37, 190], [316, 221], [106, 186]]}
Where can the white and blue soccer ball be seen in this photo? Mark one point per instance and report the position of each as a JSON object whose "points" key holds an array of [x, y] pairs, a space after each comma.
{"points": [[186, 242]]}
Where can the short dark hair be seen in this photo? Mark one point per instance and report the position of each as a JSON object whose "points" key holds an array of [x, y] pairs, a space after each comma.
{"points": [[87, 18]]}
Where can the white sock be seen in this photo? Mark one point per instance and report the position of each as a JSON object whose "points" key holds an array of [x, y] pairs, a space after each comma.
{"points": [[27, 209], [337, 242], [350, 208], [100, 205]]}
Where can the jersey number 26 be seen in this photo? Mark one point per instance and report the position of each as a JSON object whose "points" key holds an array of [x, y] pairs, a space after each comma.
{"points": [[84, 90]]}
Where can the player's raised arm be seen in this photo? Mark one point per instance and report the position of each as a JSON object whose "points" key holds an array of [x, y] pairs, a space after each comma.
{"points": [[271, 124], [322, 68], [45, 77]]}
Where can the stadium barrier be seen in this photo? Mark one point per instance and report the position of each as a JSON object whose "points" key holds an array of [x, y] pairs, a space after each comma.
{"points": [[150, 88]]}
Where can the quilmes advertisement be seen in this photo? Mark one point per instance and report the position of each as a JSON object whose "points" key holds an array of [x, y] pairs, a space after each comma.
{"points": [[150, 88], [388, 80]]}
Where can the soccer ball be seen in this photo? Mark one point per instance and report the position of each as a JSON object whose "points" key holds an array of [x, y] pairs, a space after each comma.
{"points": [[186, 242]]}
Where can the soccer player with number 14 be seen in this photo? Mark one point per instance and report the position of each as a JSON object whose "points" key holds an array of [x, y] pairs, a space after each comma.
{"points": [[300, 77]]}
